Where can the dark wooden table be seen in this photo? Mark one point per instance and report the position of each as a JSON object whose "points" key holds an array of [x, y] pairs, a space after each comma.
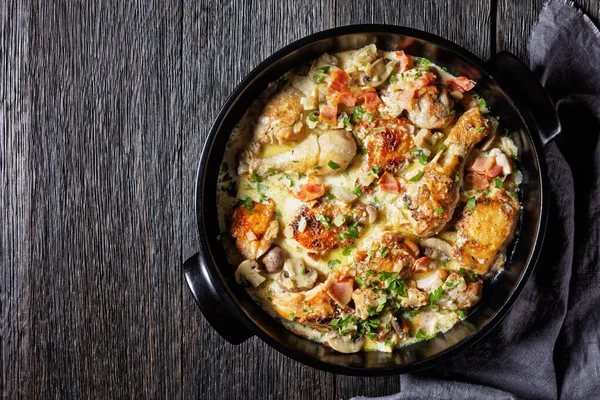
{"points": [[104, 110]]}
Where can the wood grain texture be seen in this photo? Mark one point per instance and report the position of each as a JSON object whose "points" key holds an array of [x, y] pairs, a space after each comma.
{"points": [[516, 18], [95, 263], [15, 191], [467, 23], [222, 42], [104, 109]]}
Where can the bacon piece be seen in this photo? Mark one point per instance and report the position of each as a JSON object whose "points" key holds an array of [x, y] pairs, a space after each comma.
{"points": [[341, 291], [482, 164], [340, 80], [346, 98], [329, 114], [494, 171], [389, 183], [478, 181], [425, 79], [404, 61], [370, 99], [310, 191], [461, 84]]}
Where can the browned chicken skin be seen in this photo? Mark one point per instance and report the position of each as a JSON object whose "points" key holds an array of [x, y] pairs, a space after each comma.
{"points": [[314, 229], [432, 198], [485, 229], [388, 142], [254, 228], [433, 108], [392, 253], [279, 120]]}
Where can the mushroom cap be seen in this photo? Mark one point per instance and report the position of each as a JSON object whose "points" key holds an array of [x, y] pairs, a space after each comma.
{"points": [[346, 344], [273, 259], [247, 274], [295, 276]]}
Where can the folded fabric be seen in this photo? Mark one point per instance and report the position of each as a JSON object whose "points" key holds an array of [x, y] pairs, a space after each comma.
{"points": [[548, 346]]}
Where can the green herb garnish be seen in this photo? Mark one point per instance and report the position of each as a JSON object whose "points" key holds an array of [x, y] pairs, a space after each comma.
{"points": [[416, 177]]}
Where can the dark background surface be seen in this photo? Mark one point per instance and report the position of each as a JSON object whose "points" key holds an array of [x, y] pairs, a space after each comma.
{"points": [[103, 113]]}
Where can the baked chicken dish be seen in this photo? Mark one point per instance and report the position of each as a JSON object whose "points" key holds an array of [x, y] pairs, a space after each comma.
{"points": [[366, 199]]}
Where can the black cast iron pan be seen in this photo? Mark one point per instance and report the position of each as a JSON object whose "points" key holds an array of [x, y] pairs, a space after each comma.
{"points": [[513, 94]]}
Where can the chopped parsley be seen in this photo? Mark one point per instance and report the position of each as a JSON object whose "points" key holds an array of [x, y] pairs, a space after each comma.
{"points": [[256, 177], [436, 295], [375, 169], [472, 275], [332, 263], [383, 252], [232, 189], [471, 203], [357, 191], [392, 78], [326, 221], [416, 177], [348, 250], [498, 183], [333, 165], [439, 210], [247, 202], [481, 129]]}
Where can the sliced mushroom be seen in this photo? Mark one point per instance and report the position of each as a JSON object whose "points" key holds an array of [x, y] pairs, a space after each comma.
{"points": [[436, 248], [341, 291], [296, 277], [401, 327], [378, 72], [342, 194], [273, 260], [433, 281], [346, 344], [487, 143], [247, 274], [372, 213]]}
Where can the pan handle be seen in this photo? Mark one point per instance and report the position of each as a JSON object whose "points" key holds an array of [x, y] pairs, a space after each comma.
{"points": [[210, 303], [528, 92]]}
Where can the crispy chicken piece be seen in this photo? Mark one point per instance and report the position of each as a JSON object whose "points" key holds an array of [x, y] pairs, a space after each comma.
{"points": [[485, 229], [366, 299], [280, 120], [313, 305], [432, 197], [329, 153], [388, 142], [432, 108], [254, 228], [315, 230], [392, 253]]}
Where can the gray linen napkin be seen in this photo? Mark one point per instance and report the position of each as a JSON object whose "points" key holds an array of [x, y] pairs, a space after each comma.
{"points": [[548, 346]]}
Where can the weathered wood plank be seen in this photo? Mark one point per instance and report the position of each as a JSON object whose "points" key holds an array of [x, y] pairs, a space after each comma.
{"points": [[15, 190], [222, 42], [101, 211], [467, 23], [517, 18]]}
